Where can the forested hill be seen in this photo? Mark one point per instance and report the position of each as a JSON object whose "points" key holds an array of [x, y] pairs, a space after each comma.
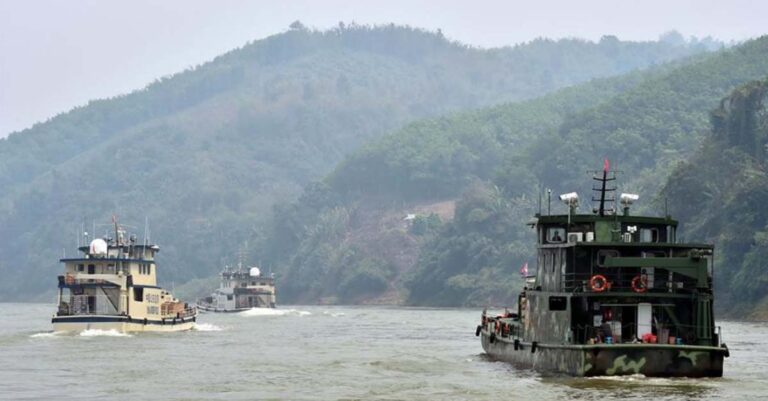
{"points": [[720, 195], [473, 180], [204, 154]]}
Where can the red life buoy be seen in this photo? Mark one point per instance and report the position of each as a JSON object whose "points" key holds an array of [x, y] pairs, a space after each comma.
{"points": [[640, 283], [598, 283]]}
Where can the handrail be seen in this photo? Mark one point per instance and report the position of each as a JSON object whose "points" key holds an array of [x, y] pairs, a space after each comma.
{"points": [[686, 332], [87, 305], [579, 282]]}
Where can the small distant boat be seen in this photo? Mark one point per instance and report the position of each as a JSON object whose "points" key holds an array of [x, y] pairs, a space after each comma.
{"points": [[241, 290], [113, 286]]}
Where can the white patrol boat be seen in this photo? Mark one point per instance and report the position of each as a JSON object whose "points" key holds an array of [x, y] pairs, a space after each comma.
{"points": [[113, 286], [241, 290]]}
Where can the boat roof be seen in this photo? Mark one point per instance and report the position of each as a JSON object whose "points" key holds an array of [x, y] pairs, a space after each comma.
{"points": [[591, 218]]}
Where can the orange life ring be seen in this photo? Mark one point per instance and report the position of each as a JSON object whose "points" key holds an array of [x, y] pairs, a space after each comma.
{"points": [[640, 283], [598, 283]]}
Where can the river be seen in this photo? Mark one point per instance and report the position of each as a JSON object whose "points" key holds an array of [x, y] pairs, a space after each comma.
{"points": [[324, 353]]}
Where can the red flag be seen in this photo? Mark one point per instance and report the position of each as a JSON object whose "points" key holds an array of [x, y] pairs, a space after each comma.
{"points": [[606, 165], [524, 269]]}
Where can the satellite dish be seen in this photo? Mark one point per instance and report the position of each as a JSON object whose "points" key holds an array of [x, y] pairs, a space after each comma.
{"points": [[98, 247], [255, 272]]}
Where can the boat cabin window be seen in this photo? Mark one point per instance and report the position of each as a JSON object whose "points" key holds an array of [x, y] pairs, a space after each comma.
{"points": [[229, 297], [649, 235], [81, 267], [605, 253], [91, 269], [555, 235], [138, 294], [558, 303]]}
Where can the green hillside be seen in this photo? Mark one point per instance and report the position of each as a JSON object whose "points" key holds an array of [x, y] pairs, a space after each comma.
{"points": [[720, 195], [494, 162], [206, 153]]}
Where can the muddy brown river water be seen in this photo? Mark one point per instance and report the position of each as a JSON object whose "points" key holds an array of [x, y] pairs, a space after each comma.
{"points": [[324, 353]]}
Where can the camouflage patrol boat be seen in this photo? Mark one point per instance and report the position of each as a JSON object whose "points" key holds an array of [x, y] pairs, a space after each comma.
{"points": [[613, 294]]}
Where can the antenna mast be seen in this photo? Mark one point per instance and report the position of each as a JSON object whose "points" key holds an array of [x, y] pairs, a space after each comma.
{"points": [[604, 189], [117, 235]]}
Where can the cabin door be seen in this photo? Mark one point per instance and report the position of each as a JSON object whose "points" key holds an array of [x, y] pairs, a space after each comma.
{"points": [[91, 304], [644, 319]]}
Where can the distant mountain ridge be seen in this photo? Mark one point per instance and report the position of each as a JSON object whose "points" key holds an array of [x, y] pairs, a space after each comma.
{"points": [[206, 153], [494, 163]]}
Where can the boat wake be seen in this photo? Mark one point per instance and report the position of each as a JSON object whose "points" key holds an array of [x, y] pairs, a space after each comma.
{"points": [[273, 312], [206, 327], [644, 380], [103, 333], [47, 334]]}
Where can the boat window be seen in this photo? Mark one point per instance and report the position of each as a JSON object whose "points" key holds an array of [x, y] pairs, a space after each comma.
{"points": [[649, 235], [91, 269], [138, 294], [558, 303], [555, 235], [229, 297], [604, 253], [81, 267], [149, 269]]}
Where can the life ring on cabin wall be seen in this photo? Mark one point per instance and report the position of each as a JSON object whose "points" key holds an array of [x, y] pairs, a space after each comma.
{"points": [[640, 283], [598, 283]]}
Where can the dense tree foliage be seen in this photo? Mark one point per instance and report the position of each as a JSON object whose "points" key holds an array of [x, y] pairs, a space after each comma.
{"points": [[206, 153], [644, 122], [720, 195]]}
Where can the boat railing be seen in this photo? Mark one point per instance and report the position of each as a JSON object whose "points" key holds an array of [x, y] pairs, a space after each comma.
{"points": [[625, 282], [177, 310], [87, 305], [665, 334], [79, 279]]}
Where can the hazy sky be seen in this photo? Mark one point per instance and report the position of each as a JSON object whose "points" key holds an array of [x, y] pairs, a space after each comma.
{"points": [[57, 54]]}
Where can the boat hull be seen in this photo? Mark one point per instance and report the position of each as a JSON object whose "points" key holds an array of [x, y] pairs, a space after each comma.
{"points": [[120, 324], [653, 360]]}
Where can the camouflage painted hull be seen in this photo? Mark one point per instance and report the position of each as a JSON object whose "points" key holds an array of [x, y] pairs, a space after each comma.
{"points": [[653, 360]]}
